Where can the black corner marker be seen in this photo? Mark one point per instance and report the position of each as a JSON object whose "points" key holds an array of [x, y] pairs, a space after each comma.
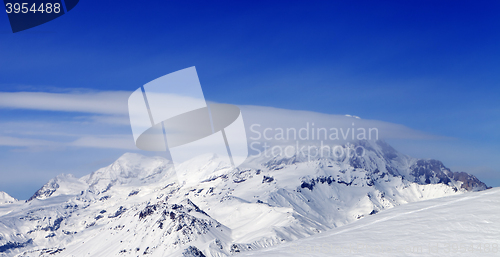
{"points": [[26, 14], [70, 4]]}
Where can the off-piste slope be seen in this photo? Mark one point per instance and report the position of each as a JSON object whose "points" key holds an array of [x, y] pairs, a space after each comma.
{"points": [[460, 225]]}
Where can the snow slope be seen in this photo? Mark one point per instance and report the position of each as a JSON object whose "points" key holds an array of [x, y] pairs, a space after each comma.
{"points": [[6, 198], [136, 206], [461, 225]]}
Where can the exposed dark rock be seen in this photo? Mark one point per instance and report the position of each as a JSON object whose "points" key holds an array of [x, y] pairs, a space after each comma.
{"points": [[470, 182], [430, 169], [267, 179], [55, 226], [14, 245], [309, 184], [150, 209], [45, 191], [118, 212], [192, 251], [133, 193], [235, 248]]}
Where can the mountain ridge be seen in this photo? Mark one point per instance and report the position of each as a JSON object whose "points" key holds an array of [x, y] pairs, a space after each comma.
{"points": [[222, 211]]}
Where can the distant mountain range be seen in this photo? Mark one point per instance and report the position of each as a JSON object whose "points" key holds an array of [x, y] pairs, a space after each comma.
{"points": [[137, 207]]}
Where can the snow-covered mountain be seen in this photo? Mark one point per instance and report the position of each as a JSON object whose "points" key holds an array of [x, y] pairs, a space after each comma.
{"points": [[460, 225], [136, 206], [6, 198], [64, 184]]}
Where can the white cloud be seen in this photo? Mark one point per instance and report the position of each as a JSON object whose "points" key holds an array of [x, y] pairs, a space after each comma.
{"points": [[106, 102], [109, 108], [110, 119], [273, 118], [27, 142], [103, 141], [113, 109], [117, 142]]}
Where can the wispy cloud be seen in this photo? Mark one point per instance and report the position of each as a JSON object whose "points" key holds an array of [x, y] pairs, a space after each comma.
{"points": [[58, 135], [117, 142], [27, 142], [109, 119], [111, 108], [98, 141], [106, 102], [102, 120], [273, 118]]}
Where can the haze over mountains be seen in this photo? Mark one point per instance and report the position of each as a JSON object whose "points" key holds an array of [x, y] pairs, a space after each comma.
{"points": [[136, 205]]}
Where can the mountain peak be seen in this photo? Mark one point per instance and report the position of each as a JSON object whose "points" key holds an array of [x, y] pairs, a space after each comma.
{"points": [[62, 184], [6, 198], [201, 168], [128, 166], [221, 210]]}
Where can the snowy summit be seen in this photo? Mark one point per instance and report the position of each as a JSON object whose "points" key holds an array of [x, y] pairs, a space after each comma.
{"points": [[136, 206]]}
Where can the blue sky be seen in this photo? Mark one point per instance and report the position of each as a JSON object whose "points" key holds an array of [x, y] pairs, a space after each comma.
{"points": [[429, 65]]}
